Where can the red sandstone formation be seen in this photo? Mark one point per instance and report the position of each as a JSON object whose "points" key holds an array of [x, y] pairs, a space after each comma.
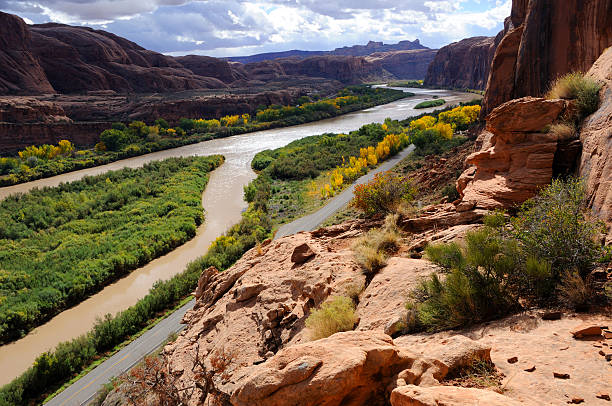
{"points": [[346, 69], [516, 159], [409, 64], [464, 64], [596, 138], [547, 40], [20, 72], [77, 59]]}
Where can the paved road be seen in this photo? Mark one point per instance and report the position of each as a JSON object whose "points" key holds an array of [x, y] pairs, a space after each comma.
{"points": [[312, 221], [85, 389]]}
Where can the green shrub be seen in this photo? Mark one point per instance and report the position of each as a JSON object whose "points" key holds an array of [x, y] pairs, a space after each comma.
{"points": [[335, 315], [448, 256], [430, 103], [583, 89], [450, 192], [553, 227], [500, 264]]}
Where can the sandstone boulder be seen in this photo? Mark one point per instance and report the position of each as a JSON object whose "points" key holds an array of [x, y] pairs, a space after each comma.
{"points": [[517, 159], [382, 304], [448, 396], [301, 254], [350, 369]]}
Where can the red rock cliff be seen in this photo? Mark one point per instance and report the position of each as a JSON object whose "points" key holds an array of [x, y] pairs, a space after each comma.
{"points": [[463, 64], [20, 71], [547, 39]]}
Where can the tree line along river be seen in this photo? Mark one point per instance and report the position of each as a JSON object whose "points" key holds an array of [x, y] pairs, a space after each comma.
{"points": [[222, 200]]}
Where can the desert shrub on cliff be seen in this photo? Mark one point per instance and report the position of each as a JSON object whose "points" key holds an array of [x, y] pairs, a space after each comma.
{"points": [[554, 226], [506, 263], [333, 316], [583, 89]]}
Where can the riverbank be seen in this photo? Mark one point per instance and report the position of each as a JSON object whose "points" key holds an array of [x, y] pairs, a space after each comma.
{"points": [[222, 201], [138, 139]]}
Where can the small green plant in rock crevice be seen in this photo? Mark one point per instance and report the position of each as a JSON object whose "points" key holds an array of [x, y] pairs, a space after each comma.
{"points": [[579, 87]]}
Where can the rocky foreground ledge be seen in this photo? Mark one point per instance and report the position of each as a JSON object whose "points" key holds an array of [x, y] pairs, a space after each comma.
{"points": [[250, 320]]}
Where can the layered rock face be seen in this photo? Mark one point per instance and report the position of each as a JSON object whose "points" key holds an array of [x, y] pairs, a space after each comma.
{"points": [[20, 72], [464, 64], [411, 64], [210, 67], [547, 40], [596, 138], [27, 121], [517, 155], [346, 69], [77, 59]]}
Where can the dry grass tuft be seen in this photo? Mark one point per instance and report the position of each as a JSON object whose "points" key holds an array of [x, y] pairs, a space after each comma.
{"points": [[576, 86], [373, 249], [563, 131], [333, 316], [575, 291]]}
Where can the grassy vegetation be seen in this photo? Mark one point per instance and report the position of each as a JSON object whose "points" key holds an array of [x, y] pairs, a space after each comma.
{"points": [[406, 83], [59, 245], [53, 368], [375, 246], [538, 257], [430, 103], [335, 315], [137, 138], [579, 87]]}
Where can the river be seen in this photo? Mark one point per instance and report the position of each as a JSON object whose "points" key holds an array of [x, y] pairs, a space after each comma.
{"points": [[222, 201]]}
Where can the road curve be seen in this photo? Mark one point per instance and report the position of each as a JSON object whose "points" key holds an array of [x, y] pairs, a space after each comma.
{"points": [[312, 221], [84, 390]]}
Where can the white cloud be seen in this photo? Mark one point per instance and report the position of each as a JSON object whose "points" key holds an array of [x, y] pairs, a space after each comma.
{"points": [[231, 27]]}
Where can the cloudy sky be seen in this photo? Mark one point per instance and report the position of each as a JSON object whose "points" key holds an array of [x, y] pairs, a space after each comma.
{"points": [[244, 27]]}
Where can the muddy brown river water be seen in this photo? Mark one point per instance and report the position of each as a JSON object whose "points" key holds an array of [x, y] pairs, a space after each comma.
{"points": [[222, 201]]}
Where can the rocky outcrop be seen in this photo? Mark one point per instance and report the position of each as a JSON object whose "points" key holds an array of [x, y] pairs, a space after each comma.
{"points": [[596, 137], [411, 395], [411, 65], [77, 59], [260, 304], [516, 159], [548, 39], [462, 65], [20, 72], [210, 67], [346, 69], [30, 110], [27, 121]]}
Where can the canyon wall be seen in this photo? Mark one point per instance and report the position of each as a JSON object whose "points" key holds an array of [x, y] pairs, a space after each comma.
{"points": [[20, 72], [462, 65], [410, 65], [547, 39]]}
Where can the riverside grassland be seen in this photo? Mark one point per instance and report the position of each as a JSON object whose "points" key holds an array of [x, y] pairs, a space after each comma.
{"points": [[59, 245]]}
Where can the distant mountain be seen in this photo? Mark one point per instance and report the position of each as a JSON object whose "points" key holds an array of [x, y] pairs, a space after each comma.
{"points": [[355, 50]]}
